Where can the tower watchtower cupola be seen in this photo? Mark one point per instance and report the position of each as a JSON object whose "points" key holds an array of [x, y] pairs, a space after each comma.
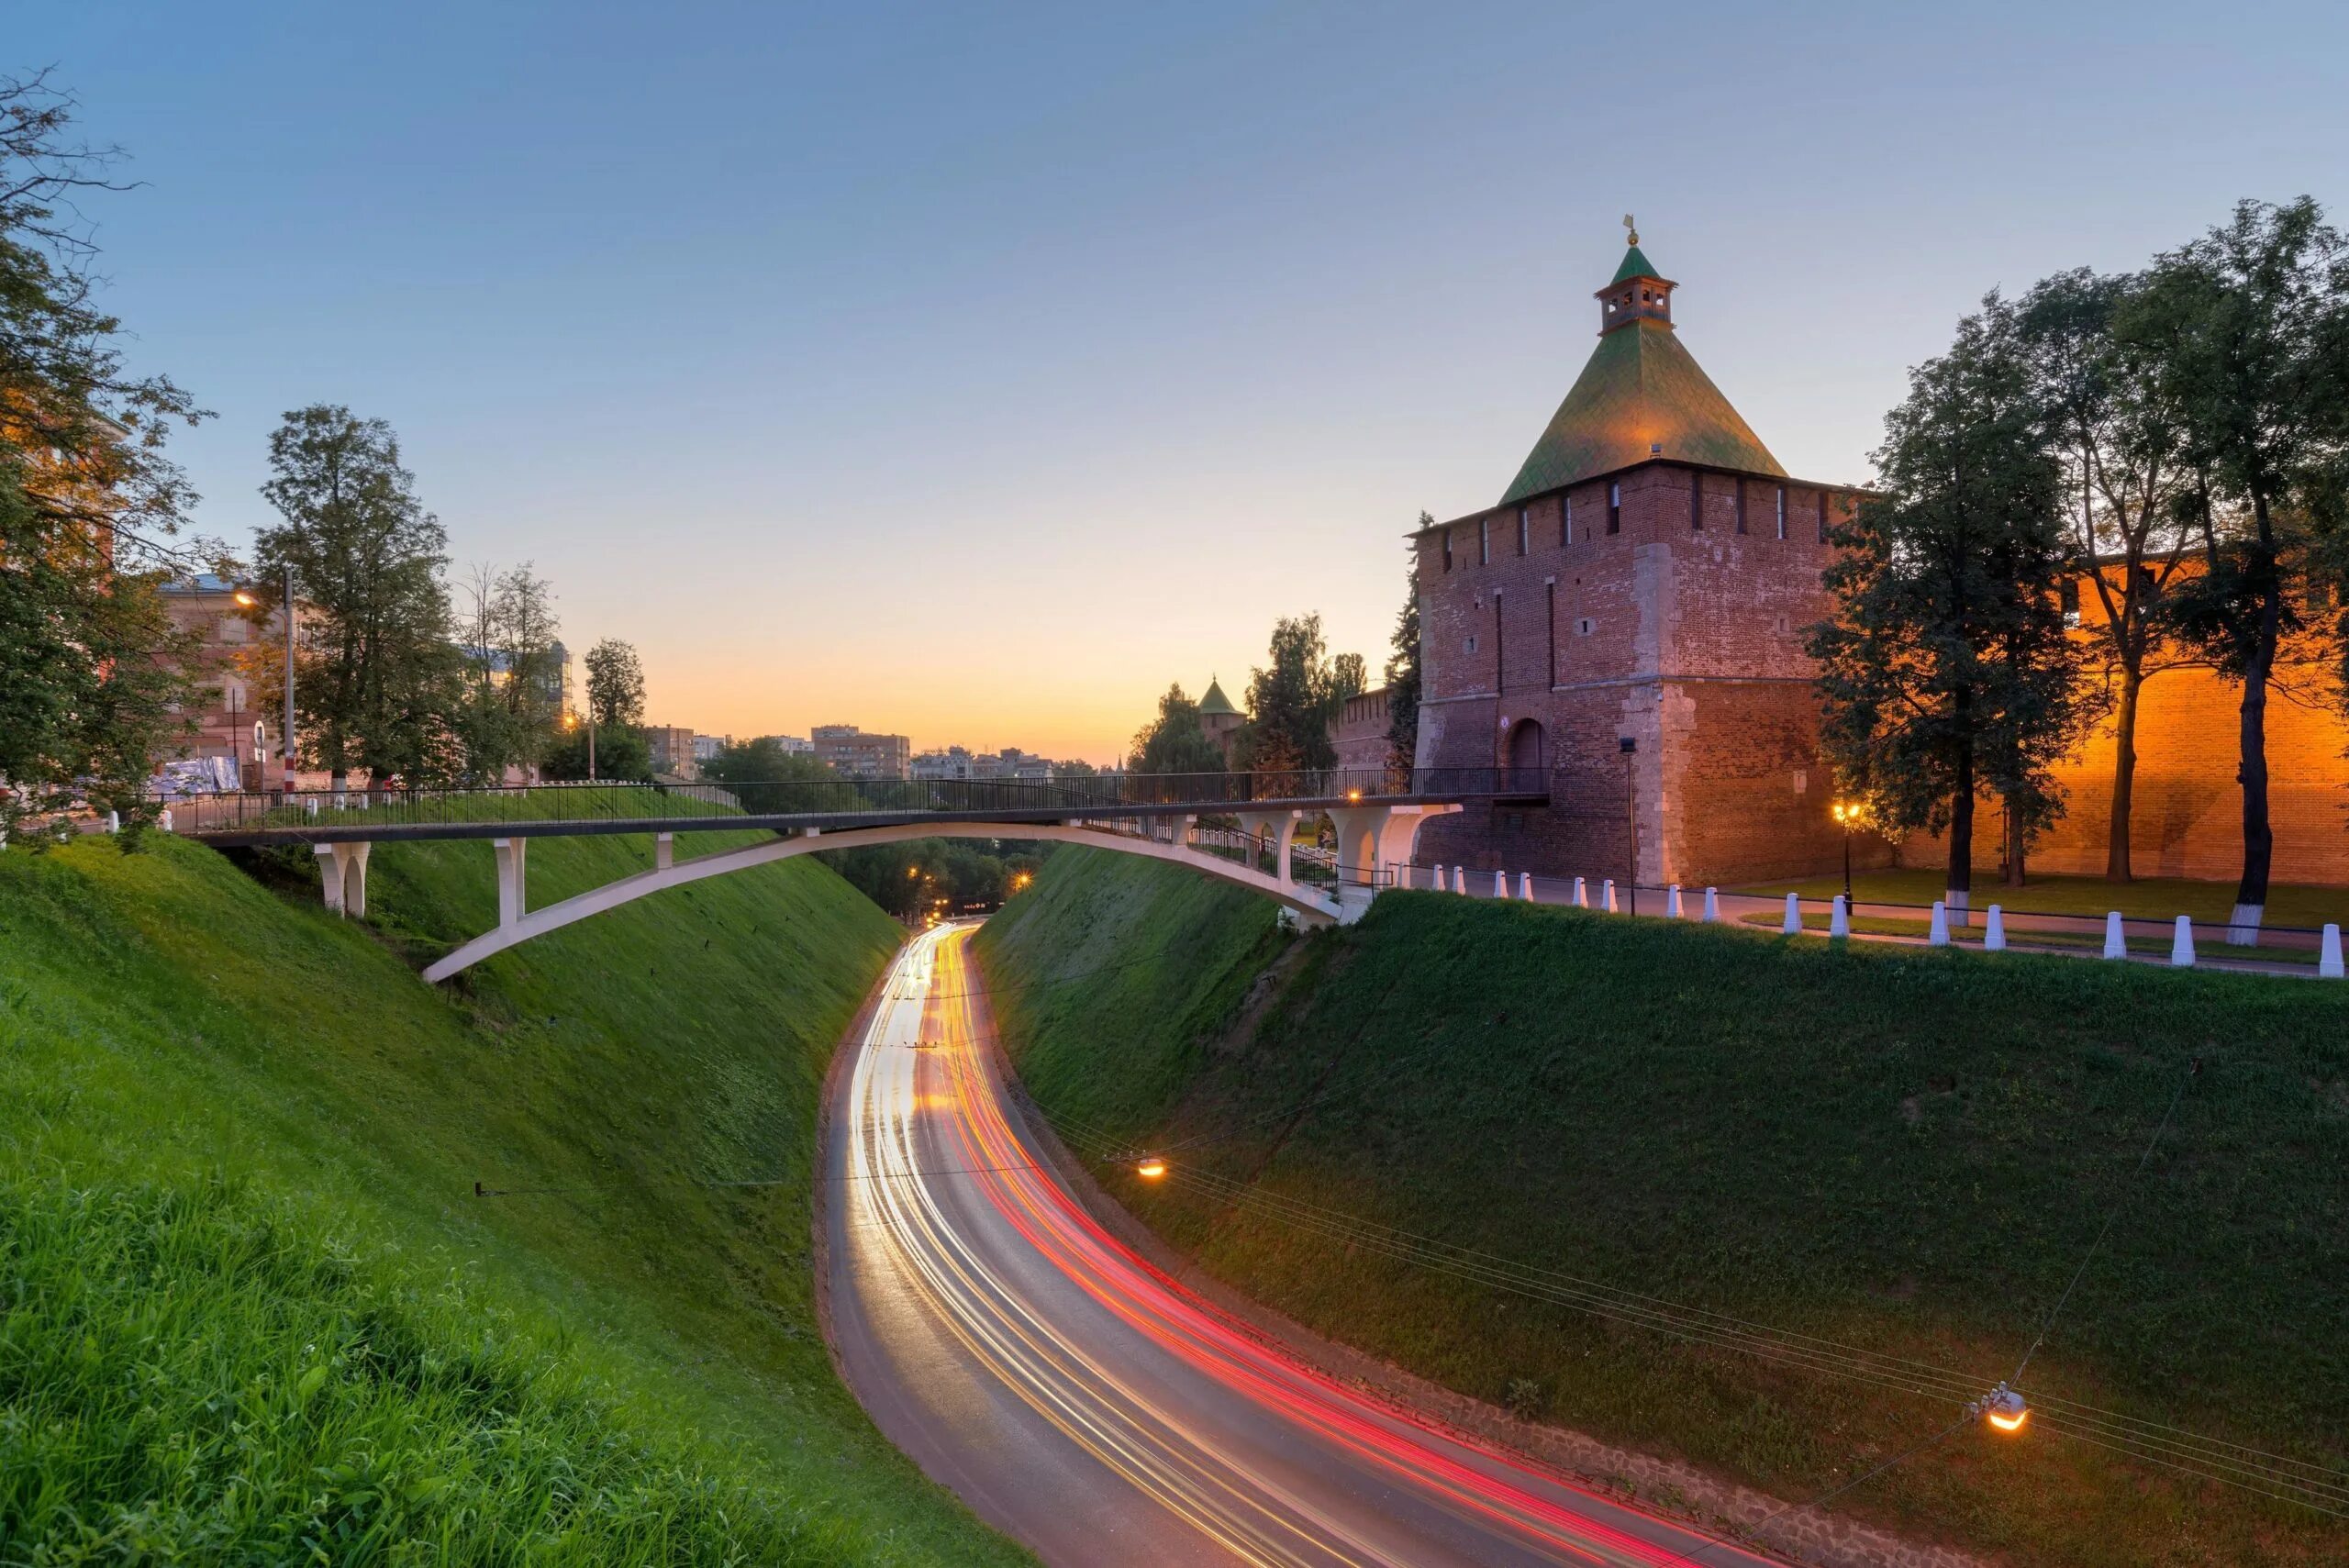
{"points": [[1637, 292]]}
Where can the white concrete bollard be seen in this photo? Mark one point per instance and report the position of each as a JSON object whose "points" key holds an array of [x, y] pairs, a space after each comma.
{"points": [[1672, 901], [1839, 924], [164, 819], [114, 821], [1607, 896], [1459, 880], [2181, 947], [1937, 935], [310, 808], [1712, 904], [1582, 895], [2116, 945], [1994, 932], [1793, 925], [1525, 885], [2328, 954], [1500, 885]]}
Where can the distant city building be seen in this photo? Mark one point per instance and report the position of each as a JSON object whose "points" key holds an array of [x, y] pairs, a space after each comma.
{"points": [[1218, 719], [1359, 732], [230, 724], [554, 676], [790, 745], [673, 750], [960, 762], [707, 747], [853, 754]]}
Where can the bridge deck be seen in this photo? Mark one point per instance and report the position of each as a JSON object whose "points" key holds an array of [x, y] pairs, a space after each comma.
{"points": [[821, 807]]}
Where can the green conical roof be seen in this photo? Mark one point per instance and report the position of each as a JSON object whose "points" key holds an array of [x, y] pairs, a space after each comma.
{"points": [[1215, 701], [1641, 396], [1634, 266]]}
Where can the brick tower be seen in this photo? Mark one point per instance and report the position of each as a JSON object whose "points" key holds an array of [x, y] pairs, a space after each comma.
{"points": [[1645, 581]]}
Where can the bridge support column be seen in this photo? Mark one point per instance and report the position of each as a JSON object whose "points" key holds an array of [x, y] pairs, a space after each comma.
{"points": [[1278, 826], [510, 901], [342, 874], [664, 850], [1178, 830], [1398, 840], [1362, 831]]}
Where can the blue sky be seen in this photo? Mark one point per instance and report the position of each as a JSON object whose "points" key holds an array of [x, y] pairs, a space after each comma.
{"points": [[975, 376]]}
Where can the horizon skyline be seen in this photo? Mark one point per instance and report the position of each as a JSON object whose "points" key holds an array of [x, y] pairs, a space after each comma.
{"points": [[985, 375]]}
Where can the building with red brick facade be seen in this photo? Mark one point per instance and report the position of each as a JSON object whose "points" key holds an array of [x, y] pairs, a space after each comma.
{"points": [[1631, 618]]}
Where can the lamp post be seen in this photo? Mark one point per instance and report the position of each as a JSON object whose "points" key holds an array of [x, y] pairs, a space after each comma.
{"points": [[1847, 813]]}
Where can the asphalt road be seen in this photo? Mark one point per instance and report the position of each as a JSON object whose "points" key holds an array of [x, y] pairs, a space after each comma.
{"points": [[1081, 1402]]}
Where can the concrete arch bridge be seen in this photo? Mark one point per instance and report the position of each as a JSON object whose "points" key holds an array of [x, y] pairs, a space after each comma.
{"points": [[1377, 819]]}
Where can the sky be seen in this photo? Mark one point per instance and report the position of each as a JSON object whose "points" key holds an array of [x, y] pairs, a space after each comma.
{"points": [[975, 372]]}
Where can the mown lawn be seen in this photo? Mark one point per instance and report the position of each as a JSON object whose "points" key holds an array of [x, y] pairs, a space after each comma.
{"points": [[1901, 1150], [2147, 898], [252, 1309]]}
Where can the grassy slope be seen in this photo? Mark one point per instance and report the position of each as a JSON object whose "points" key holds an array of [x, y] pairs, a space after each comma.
{"points": [[1902, 1150], [250, 1305]]}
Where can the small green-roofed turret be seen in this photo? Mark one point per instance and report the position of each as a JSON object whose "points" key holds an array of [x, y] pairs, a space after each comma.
{"points": [[1215, 702]]}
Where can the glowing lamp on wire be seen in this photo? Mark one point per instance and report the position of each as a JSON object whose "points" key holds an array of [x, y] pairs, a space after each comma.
{"points": [[2005, 1409], [1150, 1168]]}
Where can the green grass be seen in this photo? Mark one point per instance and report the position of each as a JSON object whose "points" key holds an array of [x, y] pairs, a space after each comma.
{"points": [[2207, 949], [2148, 898], [251, 1310], [1903, 1149]]}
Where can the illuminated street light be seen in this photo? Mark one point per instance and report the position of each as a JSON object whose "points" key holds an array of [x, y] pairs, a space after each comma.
{"points": [[1150, 1168], [1847, 817], [245, 599], [2003, 1408]]}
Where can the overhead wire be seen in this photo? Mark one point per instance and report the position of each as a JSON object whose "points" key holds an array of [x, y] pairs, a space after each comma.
{"points": [[2309, 1484]]}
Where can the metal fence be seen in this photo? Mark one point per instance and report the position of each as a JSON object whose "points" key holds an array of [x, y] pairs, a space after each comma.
{"points": [[629, 802]]}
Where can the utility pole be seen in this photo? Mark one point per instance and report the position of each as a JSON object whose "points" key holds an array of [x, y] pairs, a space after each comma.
{"points": [[1631, 745], [591, 739], [286, 609]]}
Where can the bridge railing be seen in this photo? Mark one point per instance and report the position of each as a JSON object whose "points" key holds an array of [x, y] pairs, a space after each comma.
{"points": [[617, 801]]}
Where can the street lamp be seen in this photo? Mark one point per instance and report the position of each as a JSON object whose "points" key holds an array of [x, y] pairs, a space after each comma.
{"points": [[1847, 815]]}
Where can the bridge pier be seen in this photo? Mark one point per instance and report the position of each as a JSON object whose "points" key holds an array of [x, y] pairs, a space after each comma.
{"points": [[1280, 826], [342, 874], [664, 850], [511, 904]]}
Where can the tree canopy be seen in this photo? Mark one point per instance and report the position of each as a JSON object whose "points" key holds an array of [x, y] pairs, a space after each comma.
{"points": [[1945, 668], [1173, 743], [88, 502]]}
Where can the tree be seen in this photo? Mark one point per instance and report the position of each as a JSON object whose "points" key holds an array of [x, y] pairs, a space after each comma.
{"points": [[1173, 743], [1349, 678], [621, 752], [762, 760], [1290, 702], [376, 684], [527, 645], [88, 683], [2246, 330], [1403, 677], [615, 683], [1944, 670], [2119, 436]]}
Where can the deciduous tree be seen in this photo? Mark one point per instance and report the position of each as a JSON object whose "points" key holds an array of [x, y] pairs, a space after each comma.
{"points": [[375, 681], [615, 683], [2246, 330], [1173, 743], [88, 502], [1290, 702], [2119, 438], [1944, 672]]}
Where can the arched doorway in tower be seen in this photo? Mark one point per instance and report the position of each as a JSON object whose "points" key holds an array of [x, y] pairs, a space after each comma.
{"points": [[1525, 753]]}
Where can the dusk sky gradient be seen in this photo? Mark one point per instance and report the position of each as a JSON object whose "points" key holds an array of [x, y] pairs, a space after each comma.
{"points": [[973, 371]]}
